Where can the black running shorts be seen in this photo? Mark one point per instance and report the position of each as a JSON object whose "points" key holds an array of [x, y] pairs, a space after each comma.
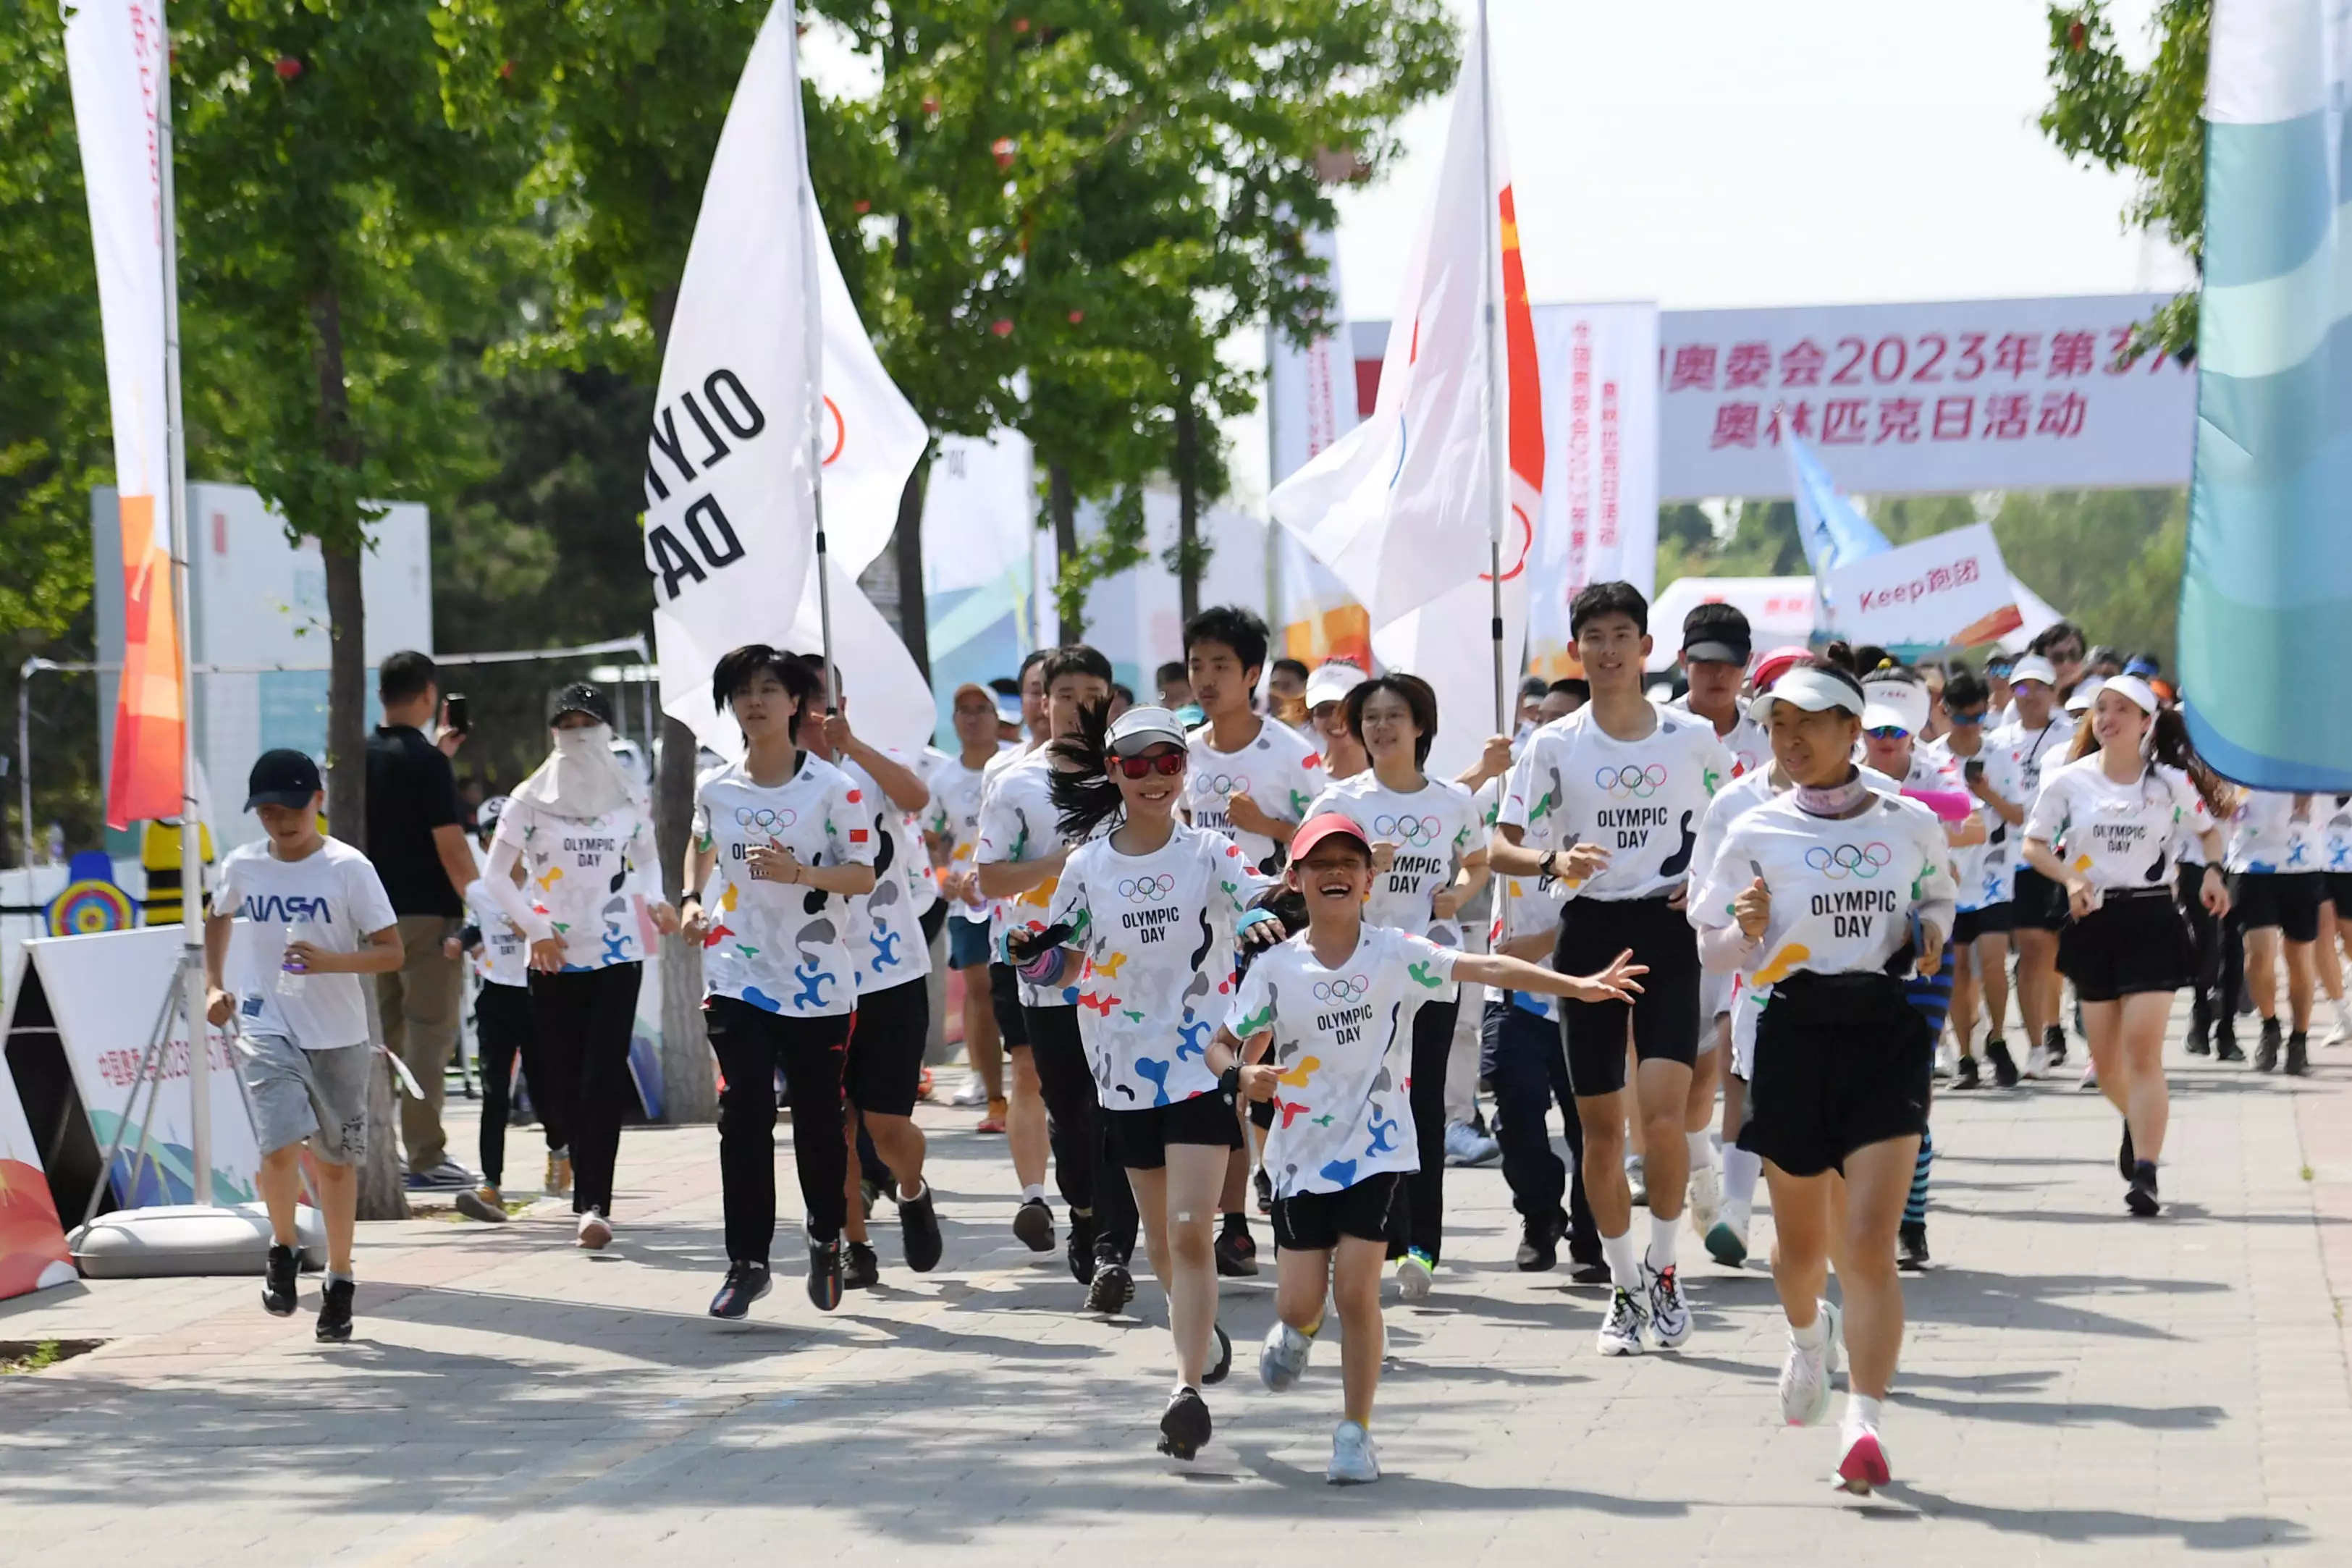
{"points": [[1314, 1222], [1841, 1062], [2040, 904], [1592, 932], [1140, 1138], [2287, 900], [2134, 942], [1993, 919], [884, 1070]]}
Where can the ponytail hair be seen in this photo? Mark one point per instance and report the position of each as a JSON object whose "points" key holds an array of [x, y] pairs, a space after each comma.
{"points": [[1083, 793], [2169, 742], [1838, 656]]}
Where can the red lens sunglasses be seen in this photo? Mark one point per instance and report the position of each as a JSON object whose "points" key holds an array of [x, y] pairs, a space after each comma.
{"points": [[1168, 764]]}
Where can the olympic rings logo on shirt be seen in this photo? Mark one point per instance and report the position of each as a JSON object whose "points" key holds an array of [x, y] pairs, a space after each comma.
{"points": [[1221, 784], [766, 821], [1414, 830], [1631, 783], [1863, 861], [1350, 988], [1143, 890]]}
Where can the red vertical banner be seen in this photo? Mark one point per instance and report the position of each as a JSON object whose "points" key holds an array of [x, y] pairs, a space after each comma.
{"points": [[150, 723]]}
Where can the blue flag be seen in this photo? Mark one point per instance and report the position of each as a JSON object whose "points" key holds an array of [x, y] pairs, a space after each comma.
{"points": [[2267, 594], [1828, 525]]}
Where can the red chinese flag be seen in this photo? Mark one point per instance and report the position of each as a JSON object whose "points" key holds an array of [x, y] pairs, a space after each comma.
{"points": [[150, 721]]}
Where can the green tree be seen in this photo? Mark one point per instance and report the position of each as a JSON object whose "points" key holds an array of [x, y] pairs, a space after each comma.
{"points": [[2149, 121]]}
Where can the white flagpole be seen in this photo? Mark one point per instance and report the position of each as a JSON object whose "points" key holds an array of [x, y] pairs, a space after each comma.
{"points": [[1498, 497], [192, 828], [814, 328]]}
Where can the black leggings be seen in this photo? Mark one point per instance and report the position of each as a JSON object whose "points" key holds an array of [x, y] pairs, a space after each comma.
{"points": [[1420, 1208], [2205, 930], [1525, 1060], [583, 1018], [752, 1045], [502, 1026], [1082, 1157]]}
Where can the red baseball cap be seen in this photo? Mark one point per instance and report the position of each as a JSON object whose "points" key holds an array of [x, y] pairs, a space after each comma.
{"points": [[1315, 829], [1774, 664]]}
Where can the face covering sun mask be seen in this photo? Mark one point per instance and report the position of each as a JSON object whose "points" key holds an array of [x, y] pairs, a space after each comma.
{"points": [[1831, 800]]}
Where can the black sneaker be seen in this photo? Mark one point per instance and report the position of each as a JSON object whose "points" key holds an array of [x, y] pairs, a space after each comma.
{"points": [[919, 1231], [1264, 1186], [1224, 1362], [1033, 1222], [278, 1278], [2005, 1070], [2200, 1027], [2053, 1040], [2140, 1197], [2225, 1044], [825, 1274], [2126, 1162], [335, 1312], [1965, 1075], [1589, 1271], [1110, 1288], [1184, 1426], [1236, 1252], [1540, 1244], [1081, 1246], [1911, 1244], [2266, 1054], [746, 1283], [860, 1269], [2298, 1054]]}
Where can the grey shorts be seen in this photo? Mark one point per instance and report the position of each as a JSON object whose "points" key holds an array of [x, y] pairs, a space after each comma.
{"points": [[318, 1095]]}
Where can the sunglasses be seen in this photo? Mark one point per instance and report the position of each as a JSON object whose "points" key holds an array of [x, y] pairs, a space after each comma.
{"points": [[1959, 719], [1888, 733], [1167, 763]]}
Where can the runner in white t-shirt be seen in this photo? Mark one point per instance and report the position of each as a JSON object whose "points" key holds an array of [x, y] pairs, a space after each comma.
{"points": [[504, 1036], [2037, 738], [951, 835], [2277, 887], [1980, 929], [1025, 1121]]}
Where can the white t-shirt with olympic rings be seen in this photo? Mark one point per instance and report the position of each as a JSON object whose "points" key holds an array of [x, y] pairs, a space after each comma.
{"points": [[1432, 828], [782, 946], [1343, 1041], [1280, 771], [1642, 801]]}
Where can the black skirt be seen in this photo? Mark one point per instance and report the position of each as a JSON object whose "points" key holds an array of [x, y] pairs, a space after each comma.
{"points": [[2136, 941], [1842, 1061]]}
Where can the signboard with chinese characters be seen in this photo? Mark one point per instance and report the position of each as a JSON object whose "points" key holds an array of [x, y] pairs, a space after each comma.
{"points": [[1598, 521], [1910, 399], [1948, 589]]}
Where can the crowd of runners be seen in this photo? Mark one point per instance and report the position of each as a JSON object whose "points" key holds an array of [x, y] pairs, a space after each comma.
{"points": [[1211, 950]]}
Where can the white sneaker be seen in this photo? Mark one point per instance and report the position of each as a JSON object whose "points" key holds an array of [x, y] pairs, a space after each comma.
{"points": [[1637, 1180], [1705, 1199], [1282, 1360], [2090, 1080], [1415, 1274], [1670, 1319], [972, 1095], [1353, 1462], [1805, 1374], [1621, 1331], [1465, 1145], [2037, 1063], [1726, 1239], [2342, 1034], [1862, 1468], [596, 1230]]}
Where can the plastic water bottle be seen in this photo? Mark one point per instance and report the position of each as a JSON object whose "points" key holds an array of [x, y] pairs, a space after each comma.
{"points": [[290, 974]]}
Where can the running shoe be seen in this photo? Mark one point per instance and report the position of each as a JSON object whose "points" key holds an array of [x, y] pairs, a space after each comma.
{"points": [[1224, 1362], [2140, 1197], [2126, 1162], [745, 1283], [1184, 1425], [860, 1268], [1965, 1076], [1670, 1319], [1353, 1462], [1621, 1331], [919, 1231], [1264, 1186], [2089, 1081], [1805, 1374], [1033, 1222], [558, 1180], [481, 1202], [596, 1232], [2342, 1034], [993, 1122], [279, 1275], [335, 1311], [2037, 1063], [2004, 1067], [1726, 1243], [825, 1274], [1080, 1247], [2298, 1054], [1705, 1197], [447, 1176], [972, 1095], [1282, 1359], [2225, 1044], [2201, 1026], [1110, 1288], [1911, 1244], [1416, 1273], [1589, 1271], [2266, 1054], [2054, 1036], [1539, 1243], [1864, 1468], [1465, 1145], [1637, 1181], [1237, 1253]]}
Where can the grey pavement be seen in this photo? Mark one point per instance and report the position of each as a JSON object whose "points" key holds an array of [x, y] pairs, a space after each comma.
{"points": [[2076, 1385]]}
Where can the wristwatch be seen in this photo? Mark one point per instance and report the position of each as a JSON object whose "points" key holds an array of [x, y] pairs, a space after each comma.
{"points": [[1545, 866]]}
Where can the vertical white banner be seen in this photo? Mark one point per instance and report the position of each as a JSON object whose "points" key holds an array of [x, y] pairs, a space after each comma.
{"points": [[1311, 402], [1600, 517]]}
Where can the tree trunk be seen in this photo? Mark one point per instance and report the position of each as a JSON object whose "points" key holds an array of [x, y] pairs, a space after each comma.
{"points": [[689, 1091], [1062, 502], [1187, 509], [914, 625]]}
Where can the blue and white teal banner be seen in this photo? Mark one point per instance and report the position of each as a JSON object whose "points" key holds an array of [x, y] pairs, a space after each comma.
{"points": [[2266, 599]]}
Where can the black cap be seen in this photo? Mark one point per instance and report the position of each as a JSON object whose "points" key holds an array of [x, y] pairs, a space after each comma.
{"points": [[283, 777], [1714, 647], [581, 698]]}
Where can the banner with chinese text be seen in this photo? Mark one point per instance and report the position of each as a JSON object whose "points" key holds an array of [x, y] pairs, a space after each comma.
{"points": [[1599, 523]]}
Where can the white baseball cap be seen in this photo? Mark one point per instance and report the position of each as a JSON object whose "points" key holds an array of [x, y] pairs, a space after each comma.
{"points": [[1809, 686], [1331, 683], [1136, 727], [2142, 694], [2086, 692], [1894, 705], [2034, 666]]}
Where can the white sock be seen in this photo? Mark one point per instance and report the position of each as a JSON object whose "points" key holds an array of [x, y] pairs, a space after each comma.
{"points": [[1813, 1335], [1624, 1262], [1740, 1171], [1663, 1232], [1702, 1150], [1033, 1190], [1861, 1414]]}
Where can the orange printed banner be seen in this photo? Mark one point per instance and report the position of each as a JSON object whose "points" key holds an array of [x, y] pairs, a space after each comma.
{"points": [[150, 723]]}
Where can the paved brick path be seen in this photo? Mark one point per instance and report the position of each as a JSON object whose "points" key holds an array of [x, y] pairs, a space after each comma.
{"points": [[2075, 1386]]}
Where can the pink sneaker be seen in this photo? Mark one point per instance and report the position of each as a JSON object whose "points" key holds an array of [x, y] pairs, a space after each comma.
{"points": [[595, 1231], [1864, 1465]]}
